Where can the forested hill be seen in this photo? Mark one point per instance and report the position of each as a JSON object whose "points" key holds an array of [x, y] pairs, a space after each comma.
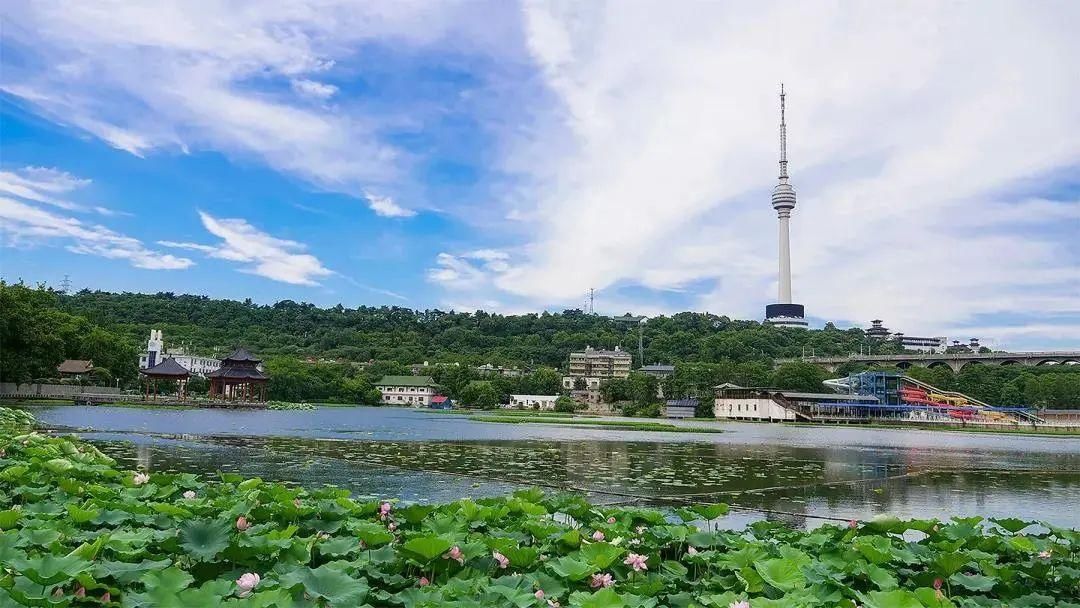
{"points": [[409, 336]]}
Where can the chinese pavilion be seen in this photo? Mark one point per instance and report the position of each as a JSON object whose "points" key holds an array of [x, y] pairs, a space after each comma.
{"points": [[169, 370], [239, 378]]}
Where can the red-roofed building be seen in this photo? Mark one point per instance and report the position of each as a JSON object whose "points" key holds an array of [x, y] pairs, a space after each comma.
{"points": [[441, 402]]}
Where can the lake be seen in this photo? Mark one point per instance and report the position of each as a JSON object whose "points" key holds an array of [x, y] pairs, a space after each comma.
{"points": [[797, 474]]}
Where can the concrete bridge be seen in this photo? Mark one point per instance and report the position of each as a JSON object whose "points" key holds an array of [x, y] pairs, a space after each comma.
{"points": [[955, 361]]}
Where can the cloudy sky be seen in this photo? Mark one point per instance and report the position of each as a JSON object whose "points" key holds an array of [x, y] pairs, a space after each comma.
{"points": [[509, 156]]}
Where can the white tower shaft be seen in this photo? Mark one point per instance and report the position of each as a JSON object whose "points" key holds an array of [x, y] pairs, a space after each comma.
{"points": [[784, 292]]}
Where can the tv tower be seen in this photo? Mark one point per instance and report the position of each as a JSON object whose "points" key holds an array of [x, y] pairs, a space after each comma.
{"points": [[784, 313]]}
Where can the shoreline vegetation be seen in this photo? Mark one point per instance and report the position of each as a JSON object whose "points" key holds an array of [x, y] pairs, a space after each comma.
{"points": [[77, 530], [629, 424]]}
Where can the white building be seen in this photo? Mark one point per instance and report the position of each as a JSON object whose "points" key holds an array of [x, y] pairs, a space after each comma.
{"points": [[156, 352], [532, 402], [595, 366], [416, 391]]}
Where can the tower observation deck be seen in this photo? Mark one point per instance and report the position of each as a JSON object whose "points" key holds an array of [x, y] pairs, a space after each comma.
{"points": [[784, 313]]}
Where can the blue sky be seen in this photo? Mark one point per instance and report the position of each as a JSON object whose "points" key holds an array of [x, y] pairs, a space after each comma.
{"points": [[510, 156]]}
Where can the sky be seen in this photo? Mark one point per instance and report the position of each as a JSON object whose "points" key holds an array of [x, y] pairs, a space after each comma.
{"points": [[509, 156]]}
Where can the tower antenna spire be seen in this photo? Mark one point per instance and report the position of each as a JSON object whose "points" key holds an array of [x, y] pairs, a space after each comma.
{"points": [[783, 138]]}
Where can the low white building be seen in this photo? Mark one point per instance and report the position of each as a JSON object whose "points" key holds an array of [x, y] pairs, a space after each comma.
{"points": [[532, 402], [751, 408], [416, 391], [156, 352]]}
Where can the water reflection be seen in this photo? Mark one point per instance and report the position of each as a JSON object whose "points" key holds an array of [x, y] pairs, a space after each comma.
{"points": [[795, 473]]}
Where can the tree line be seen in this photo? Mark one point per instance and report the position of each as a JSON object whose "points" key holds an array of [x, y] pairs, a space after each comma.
{"points": [[354, 347]]}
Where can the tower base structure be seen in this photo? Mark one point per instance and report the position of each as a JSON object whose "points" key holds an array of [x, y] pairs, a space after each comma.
{"points": [[785, 315]]}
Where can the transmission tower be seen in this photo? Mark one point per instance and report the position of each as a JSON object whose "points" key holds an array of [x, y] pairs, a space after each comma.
{"points": [[65, 285], [591, 306]]}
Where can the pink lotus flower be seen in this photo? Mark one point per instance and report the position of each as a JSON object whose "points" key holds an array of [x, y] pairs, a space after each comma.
{"points": [[499, 557], [246, 583], [59, 592], [1044, 554], [242, 523], [601, 580], [80, 592], [190, 495], [106, 598], [937, 583], [637, 562], [140, 478], [423, 582], [391, 526], [739, 604], [691, 550], [539, 594], [852, 524], [296, 502], [384, 510], [598, 536], [455, 554], [611, 520]]}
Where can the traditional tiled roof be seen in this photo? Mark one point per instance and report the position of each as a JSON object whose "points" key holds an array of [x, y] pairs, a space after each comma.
{"points": [[167, 368], [406, 381], [238, 372], [75, 366], [440, 399], [241, 355]]}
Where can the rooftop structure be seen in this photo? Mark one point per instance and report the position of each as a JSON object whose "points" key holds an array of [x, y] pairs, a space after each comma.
{"points": [[660, 371], [75, 367], [784, 313], [168, 370], [415, 391]]}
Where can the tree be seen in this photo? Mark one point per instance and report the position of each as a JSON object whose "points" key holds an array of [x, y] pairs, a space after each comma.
{"points": [[799, 376], [481, 394], [565, 404]]}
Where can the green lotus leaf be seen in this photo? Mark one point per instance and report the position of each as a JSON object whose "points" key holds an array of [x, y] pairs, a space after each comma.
{"points": [[604, 598], [711, 512], [50, 569], [330, 583], [973, 582], [876, 549], [601, 555], [203, 539], [426, 548], [521, 557], [9, 518], [414, 514], [898, 598], [373, 534], [128, 572], [571, 568], [783, 573]]}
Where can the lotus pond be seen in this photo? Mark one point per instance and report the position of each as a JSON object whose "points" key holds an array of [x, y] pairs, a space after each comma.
{"points": [[77, 529]]}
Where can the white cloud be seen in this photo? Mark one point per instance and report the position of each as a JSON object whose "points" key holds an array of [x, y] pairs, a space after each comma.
{"points": [[262, 254], [25, 225], [908, 131], [42, 185], [386, 207], [311, 88], [169, 75]]}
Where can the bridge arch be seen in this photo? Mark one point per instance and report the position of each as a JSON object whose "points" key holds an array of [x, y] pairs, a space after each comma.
{"points": [[962, 364], [1047, 362], [1010, 362], [904, 364], [937, 364]]}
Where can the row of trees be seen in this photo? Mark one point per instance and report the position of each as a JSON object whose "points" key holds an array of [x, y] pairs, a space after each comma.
{"points": [[40, 327]]}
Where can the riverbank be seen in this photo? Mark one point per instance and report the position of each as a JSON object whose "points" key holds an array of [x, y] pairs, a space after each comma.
{"points": [[81, 530], [629, 424]]}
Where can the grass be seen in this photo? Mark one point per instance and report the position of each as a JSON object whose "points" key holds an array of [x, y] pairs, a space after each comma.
{"points": [[628, 425]]}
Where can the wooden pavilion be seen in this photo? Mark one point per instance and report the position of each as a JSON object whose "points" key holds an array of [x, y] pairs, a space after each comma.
{"points": [[239, 378], [169, 370]]}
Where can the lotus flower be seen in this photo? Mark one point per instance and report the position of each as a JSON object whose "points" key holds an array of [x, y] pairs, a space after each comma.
{"points": [[384, 510], [59, 592], [80, 592], [852, 524], [611, 520], [637, 562], [598, 536], [601, 580], [1044, 554], [691, 550], [499, 557], [455, 554], [246, 583], [296, 502], [423, 582], [140, 478], [640, 529], [190, 495], [106, 598], [391, 526], [739, 604], [937, 583], [553, 604], [539, 594], [242, 523]]}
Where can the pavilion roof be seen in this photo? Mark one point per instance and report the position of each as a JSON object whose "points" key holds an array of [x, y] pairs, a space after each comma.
{"points": [[237, 372], [168, 368], [75, 366], [241, 354]]}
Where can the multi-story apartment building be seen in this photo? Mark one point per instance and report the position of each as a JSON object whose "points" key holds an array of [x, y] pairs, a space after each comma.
{"points": [[416, 391], [595, 366]]}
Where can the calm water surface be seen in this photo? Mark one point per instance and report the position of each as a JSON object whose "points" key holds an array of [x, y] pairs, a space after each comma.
{"points": [[791, 473]]}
